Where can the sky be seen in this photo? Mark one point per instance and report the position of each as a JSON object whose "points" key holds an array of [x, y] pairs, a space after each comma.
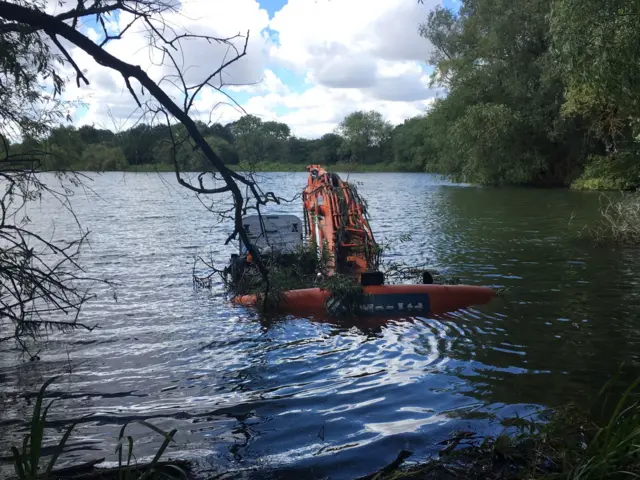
{"points": [[309, 63]]}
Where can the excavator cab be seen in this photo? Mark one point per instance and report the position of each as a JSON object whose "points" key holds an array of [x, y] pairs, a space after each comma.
{"points": [[272, 233], [269, 234]]}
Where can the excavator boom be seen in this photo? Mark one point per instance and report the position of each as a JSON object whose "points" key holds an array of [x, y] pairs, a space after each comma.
{"points": [[337, 223]]}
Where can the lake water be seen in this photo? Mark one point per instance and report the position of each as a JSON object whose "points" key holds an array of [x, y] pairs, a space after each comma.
{"points": [[320, 400]]}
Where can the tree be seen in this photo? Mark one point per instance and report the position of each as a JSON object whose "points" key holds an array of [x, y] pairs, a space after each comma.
{"points": [[596, 45], [90, 135], [34, 44], [327, 149], [366, 134], [30, 84], [223, 149], [257, 141], [496, 53], [101, 157], [301, 150], [42, 286], [408, 140], [249, 139]]}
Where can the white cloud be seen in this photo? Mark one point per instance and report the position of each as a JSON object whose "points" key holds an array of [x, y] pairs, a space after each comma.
{"points": [[319, 109], [109, 101], [269, 83], [348, 35], [346, 55]]}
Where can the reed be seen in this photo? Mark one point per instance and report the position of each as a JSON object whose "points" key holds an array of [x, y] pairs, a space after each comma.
{"points": [[29, 463], [619, 221]]}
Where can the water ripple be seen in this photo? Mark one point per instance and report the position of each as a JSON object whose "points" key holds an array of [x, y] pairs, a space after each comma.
{"points": [[336, 399]]}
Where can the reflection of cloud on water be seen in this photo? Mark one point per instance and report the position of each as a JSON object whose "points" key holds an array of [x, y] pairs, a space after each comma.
{"points": [[409, 425]]}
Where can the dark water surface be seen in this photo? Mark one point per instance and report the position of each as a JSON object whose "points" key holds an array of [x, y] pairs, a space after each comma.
{"points": [[329, 400]]}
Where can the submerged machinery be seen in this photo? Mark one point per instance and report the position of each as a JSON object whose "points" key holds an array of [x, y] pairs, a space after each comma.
{"points": [[341, 244]]}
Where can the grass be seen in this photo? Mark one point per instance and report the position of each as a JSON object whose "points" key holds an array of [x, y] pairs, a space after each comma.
{"points": [[566, 444], [29, 463], [619, 221]]}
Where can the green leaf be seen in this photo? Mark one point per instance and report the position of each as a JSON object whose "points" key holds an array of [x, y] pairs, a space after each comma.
{"points": [[37, 429], [17, 463], [61, 445], [168, 438]]}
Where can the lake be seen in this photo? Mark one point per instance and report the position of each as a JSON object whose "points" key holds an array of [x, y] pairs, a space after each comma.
{"points": [[322, 399]]}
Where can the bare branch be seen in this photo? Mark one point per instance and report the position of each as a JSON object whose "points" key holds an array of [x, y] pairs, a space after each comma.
{"points": [[79, 74], [217, 72], [145, 10]]}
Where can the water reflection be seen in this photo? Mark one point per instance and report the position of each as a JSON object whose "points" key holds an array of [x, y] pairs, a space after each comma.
{"points": [[564, 324], [314, 395]]}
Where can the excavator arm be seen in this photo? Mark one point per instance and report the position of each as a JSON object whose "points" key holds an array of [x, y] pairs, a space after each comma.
{"points": [[337, 223]]}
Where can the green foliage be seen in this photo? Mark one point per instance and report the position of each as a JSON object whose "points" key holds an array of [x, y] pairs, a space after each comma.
{"points": [[100, 157], [347, 295], [129, 471], [502, 121], [597, 45], [366, 136], [617, 171], [409, 144], [287, 271], [27, 460], [493, 155], [536, 90], [30, 85], [250, 143]]}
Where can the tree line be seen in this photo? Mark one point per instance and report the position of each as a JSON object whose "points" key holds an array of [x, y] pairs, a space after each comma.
{"points": [[539, 92], [363, 137]]}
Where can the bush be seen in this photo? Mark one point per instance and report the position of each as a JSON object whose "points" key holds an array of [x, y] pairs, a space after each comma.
{"points": [[618, 171]]}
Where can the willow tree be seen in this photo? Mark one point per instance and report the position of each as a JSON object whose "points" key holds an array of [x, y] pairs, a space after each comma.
{"points": [[596, 43], [501, 120]]}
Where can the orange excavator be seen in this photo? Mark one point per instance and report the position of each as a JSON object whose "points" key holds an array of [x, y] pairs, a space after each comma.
{"points": [[337, 227], [337, 224]]}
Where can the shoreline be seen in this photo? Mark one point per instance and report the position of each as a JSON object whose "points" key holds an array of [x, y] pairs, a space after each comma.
{"points": [[344, 168], [271, 167]]}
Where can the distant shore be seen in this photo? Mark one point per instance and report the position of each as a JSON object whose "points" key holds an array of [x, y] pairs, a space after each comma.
{"points": [[281, 167]]}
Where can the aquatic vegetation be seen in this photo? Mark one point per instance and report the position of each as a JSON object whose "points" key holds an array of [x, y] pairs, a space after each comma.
{"points": [[303, 269], [619, 222], [27, 460]]}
